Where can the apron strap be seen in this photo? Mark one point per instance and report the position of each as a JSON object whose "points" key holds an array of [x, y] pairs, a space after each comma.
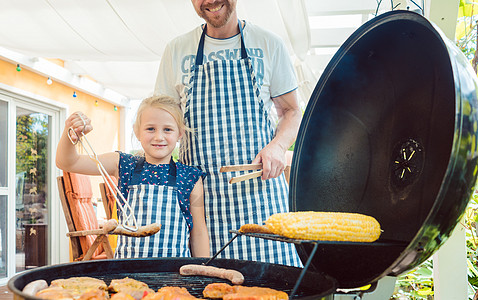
{"points": [[172, 173], [200, 51], [136, 178]]}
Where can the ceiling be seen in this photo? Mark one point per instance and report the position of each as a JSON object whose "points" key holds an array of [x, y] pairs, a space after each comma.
{"points": [[118, 43]]}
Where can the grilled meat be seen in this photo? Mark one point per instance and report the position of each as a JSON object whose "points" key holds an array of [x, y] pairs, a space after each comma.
{"points": [[54, 293], [217, 290], [77, 286], [94, 295], [130, 286], [170, 293], [255, 228], [122, 296], [234, 276], [227, 292]]}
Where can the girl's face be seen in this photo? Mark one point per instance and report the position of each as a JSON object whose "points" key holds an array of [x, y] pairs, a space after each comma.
{"points": [[158, 134]]}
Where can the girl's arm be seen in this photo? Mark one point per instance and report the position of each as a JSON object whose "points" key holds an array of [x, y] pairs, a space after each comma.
{"points": [[199, 235], [68, 159]]}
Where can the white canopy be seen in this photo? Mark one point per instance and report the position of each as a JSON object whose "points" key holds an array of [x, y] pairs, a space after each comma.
{"points": [[118, 43]]}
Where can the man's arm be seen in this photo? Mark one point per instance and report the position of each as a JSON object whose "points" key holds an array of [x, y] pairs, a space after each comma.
{"points": [[272, 156]]}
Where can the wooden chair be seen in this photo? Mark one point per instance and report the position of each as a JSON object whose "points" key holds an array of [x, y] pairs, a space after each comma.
{"points": [[108, 200], [109, 203], [88, 240]]}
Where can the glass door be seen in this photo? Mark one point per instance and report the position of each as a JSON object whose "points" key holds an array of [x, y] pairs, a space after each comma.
{"points": [[29, 210], [32, 188]]}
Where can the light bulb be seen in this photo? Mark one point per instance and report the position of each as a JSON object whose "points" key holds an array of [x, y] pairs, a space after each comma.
{"points": [[18, 68], [49, 81], [74, 94]]}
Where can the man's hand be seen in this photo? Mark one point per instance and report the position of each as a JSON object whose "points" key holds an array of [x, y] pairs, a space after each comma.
{"points": [[273, 160], [273, 156]]}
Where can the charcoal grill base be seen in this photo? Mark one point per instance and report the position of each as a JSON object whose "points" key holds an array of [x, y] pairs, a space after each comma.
{"points": [[159, 272]]}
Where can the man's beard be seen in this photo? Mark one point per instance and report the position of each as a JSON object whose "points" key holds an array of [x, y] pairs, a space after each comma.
{"points": [[221, 20]]}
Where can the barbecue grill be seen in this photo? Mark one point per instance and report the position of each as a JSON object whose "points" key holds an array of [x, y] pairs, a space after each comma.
{"points": [[390, 132]]}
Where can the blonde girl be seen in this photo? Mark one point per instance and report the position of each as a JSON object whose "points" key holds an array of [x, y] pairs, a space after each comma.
{"points": [[158, 189]]}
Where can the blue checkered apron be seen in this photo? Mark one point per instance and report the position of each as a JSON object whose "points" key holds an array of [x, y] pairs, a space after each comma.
{"points": [[230, 127], [155, 204]]}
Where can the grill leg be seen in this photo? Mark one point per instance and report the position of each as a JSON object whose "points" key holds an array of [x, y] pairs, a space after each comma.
{"points": [[304, 270]]}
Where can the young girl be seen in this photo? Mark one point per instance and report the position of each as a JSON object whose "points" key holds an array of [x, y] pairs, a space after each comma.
{"points": [[158, 189]]}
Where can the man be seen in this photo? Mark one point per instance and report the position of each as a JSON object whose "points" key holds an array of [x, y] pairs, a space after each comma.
{"points": [[229, 75]]}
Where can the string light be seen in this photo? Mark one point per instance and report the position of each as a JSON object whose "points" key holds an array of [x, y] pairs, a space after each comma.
{"points": [[18, 68], [74, 94], [96, 103], [116, 108], [49, 81]]}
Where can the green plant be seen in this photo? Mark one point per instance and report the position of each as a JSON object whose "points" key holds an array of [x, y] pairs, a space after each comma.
{"points": [[416, 284], [467, 41], [470, 224], [466, 31]]}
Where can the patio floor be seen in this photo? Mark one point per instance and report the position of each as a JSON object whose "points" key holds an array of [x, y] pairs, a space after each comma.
{"points": [[5, 294]]}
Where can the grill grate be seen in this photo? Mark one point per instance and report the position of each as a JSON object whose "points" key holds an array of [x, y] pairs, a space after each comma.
{"points": [[275, 237], [196, 284]]}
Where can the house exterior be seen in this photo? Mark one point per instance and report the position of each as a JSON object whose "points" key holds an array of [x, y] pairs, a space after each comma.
{"points": [[33, 108]]}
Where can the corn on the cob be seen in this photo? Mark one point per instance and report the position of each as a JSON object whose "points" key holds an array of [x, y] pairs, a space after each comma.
{"points": [[325, 226]]}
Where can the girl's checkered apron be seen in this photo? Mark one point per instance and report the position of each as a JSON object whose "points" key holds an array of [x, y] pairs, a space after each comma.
{"points": [[155, 204], [230, 127]]}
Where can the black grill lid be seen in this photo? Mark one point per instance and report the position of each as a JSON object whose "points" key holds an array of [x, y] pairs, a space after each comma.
{"points": [[389, 131]]}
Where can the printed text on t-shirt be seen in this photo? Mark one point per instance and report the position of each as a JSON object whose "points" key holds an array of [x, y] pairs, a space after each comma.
{"points": [[256, 55]]}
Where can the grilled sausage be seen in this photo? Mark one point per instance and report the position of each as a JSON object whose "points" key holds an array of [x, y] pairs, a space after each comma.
{"points": [[34, 287], [255, 228], [143, 231], [232, 275]]}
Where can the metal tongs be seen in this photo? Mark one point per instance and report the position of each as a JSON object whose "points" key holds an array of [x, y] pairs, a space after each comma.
{"points": [[246, 167], [129, 220]]}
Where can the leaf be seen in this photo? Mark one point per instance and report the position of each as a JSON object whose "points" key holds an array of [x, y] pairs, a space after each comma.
{"points": [[467, 9], [460, 30], [473, 280], [424, 272], [425, 292], [471, 268]]}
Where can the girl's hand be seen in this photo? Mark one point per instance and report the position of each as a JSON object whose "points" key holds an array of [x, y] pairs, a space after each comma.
{"points": [[80, 123]]}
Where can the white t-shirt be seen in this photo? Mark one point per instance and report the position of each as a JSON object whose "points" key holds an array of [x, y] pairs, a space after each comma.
{"points": [[270, 60]]}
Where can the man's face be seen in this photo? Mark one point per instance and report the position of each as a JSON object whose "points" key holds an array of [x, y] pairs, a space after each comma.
{"points": [[215, 13]]}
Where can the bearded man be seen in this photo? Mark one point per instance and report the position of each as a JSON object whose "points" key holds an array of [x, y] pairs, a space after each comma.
{"points": [[237, 87]]}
